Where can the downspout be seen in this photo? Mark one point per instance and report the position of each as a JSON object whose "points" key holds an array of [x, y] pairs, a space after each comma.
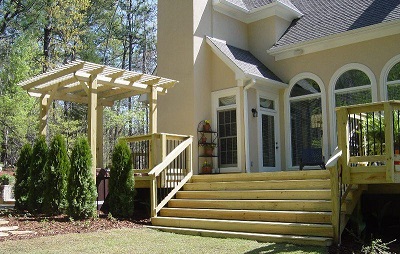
{"points": [[249, 85]]}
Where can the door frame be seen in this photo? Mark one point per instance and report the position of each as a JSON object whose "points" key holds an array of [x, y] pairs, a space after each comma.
{"points": [[275, 113]]}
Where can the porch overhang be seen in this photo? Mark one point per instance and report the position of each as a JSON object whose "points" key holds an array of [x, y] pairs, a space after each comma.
{"points": [[244, 64], [97, 86]]}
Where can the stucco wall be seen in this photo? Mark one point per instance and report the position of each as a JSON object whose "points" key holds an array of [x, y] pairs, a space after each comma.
{"points": [[175, 61], [230, 30]]}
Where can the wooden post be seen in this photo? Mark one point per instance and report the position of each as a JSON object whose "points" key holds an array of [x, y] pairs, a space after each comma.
{"points": [[92, 121], [164, 174], [153, 196], [44, 109], [99, 138], [335, 196], [153, 111], [389, 140], [343, 142]]}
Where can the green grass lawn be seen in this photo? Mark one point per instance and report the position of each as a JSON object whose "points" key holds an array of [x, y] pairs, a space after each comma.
{"points": [[145, 240]]}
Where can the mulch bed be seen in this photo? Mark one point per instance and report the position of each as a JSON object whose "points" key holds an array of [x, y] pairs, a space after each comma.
{"points": [[55, 225]]}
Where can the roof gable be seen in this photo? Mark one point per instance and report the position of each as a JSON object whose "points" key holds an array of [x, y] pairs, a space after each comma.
{"points": [[242, 61]]}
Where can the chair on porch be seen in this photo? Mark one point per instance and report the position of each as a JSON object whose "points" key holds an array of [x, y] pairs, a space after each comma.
{"points": [[312, 157]]}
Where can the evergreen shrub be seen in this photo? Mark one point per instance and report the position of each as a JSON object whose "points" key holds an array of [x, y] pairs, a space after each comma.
{"points": [[37, 175], [121, 183], [81, 191], [21, 188], [57, 169]]}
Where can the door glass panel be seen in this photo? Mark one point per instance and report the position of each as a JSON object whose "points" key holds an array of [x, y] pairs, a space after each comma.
{"points": [[268, 140], [268, 104], [227, 138]]}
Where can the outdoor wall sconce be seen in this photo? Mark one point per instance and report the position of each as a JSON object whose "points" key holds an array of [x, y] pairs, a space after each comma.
{"points": [[254, 112]]}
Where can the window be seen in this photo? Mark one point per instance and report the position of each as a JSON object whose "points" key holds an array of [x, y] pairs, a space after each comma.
{"points": [[227, 137], [352, 87], [352, 84], [225, 107], [306, 122], [393, 83]]}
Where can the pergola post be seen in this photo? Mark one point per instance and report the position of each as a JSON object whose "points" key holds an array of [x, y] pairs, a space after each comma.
{"points": [[153, 110], [44, 109], [92, 121], [99, 138]]}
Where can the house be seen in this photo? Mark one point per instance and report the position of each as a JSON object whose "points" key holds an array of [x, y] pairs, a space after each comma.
{"points": [[269, 75], [292, 61]]}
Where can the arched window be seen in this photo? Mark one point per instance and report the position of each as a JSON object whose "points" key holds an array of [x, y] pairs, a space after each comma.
{"points": [[352, 84], [306, 118], [352, 87], [393, 83]]}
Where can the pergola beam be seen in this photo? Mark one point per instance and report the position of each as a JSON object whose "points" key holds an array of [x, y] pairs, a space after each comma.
{"points": [[54, 75]]}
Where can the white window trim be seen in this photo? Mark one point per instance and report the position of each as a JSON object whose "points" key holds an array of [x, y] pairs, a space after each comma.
{"points": [[322, 94], [385, 72], [215, 107], [274, 97], [332, 84]]}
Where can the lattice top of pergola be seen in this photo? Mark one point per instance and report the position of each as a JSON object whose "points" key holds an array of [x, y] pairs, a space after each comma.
{"points": [[72, 81]]}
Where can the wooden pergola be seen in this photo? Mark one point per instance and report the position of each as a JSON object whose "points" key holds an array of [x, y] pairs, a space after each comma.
{"points": [[97, 86]]}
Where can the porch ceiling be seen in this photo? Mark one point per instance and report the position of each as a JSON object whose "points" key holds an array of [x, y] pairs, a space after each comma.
{"points": [[70, 82]]}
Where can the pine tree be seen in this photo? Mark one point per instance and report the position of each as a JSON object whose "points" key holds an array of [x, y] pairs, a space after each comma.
{"points": [[82, 193], [21, 187], [37, 174], [121, 184], [57, 172]]}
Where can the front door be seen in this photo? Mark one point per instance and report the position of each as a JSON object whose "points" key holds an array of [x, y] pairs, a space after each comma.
{"points": [[269, 135]]}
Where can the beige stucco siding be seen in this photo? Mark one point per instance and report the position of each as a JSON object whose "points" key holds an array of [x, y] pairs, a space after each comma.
{"points": [[175, 60], [232, 31]]}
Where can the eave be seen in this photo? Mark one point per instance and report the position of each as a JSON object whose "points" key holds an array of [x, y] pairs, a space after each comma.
{"points": [[274, 9], [336, 40]]}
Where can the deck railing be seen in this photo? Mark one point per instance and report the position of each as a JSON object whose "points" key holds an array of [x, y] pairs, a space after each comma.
{"points": [[369, 136], [167, 160]]}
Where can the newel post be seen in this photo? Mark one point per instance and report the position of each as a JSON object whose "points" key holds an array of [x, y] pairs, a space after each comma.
{"points": [[388, 112], [335, 196], [343, 142]]}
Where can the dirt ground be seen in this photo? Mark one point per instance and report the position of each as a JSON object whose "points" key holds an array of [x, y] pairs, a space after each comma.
{"points": [[48, 226]]}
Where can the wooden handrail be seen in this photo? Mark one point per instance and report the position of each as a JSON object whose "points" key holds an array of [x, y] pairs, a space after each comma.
{"points": [[170, 157], [334, 158], [138, 138], [185, 146]]}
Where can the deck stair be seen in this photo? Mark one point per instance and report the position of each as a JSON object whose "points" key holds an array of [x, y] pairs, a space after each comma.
{"points": [[291, 206]]}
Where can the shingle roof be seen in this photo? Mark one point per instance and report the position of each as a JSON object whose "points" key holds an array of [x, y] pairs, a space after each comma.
{"points": [[328, 17], [244, 60], [250, 5]]}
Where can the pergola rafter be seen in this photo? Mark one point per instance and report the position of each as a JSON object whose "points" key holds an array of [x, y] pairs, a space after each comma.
{"points": [[97, 86]]}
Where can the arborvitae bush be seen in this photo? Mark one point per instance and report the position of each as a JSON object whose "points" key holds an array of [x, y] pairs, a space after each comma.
{"points": [[37, 174], [82, 193], [21, 188], [55, 201], [121, 184]]}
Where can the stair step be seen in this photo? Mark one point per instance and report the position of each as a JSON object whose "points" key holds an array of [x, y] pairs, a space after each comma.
{"points": [[301, 240], [251, 215], [323, 194], [280, 205], [247, 226], [282, 175], [260, 185]]}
